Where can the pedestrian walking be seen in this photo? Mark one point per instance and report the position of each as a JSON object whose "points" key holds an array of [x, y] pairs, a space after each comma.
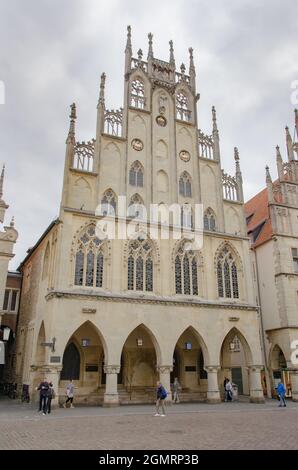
{"points": [[281, 391], [161, 395], [43, 395], [70, 394], [51, 395], [176, 390], [224, 384], [229, 390]]}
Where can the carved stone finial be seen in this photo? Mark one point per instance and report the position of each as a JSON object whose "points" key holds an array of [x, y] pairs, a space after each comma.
{"points": [[101, 99], [2, 181], [182, 68], [268, 176], [214, 119], [150, 46], [278, 155], [12, 222], [73, 116], [191, 62], [236, 154], [128, 41], [172, 59], [140, 55]]}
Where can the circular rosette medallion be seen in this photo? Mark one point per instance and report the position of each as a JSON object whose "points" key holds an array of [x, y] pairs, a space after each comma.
{"points": [[137, 144], [161, 121], [184, 155]]}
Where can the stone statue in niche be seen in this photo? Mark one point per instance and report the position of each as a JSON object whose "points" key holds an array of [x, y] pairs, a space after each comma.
{"points": [[162, 99]]}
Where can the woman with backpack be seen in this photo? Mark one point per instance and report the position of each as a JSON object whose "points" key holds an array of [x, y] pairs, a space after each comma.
{"points": [[161, 395]]}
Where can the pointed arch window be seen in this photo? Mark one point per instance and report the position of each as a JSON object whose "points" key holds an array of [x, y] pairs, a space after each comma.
{"points": [[185, 185], [140, 265], [227, 274], [136, 207], [186, 272], [137, 94], [89, 259], [182, 107], [186, 216], [136, 174], [108, 203], [209, 220]]}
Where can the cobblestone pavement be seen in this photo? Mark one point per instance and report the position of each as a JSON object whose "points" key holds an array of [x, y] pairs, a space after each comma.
{"points": [[186, 426]]}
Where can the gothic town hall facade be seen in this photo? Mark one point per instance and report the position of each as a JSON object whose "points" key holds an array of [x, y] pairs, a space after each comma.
{"points": [[116, 315]]}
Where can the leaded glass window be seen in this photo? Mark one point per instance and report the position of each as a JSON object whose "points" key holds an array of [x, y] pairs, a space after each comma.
{"points": [[108, 203], [209, 220], [79, 269], [137, 94], [90, 269], [178, 280], [89, 259], [227, 276], [186, 217], [185, 185], [149, 275], [136, 175], [182, 108], [140, 265], [99, 270], [136, 207], [186, 272]]}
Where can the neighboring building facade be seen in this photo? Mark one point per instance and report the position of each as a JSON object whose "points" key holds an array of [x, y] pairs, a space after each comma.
{"points": [[9, 324], [115, 315], [8, 238], [272, 221]]}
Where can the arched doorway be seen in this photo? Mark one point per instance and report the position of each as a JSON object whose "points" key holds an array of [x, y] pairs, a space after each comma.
{"points": [[279, 370], [71, 363], [83, 361], [235, 357], [188, 366], [138, 364]]}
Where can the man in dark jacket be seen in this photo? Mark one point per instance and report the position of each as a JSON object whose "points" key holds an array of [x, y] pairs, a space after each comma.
{"points": [[161, 395], [43, 395]]}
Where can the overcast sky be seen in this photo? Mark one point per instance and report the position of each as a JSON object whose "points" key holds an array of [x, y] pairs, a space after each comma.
{"points": [[53, 52]]}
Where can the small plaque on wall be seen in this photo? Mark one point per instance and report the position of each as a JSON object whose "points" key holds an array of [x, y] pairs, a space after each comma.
{"points": [[190, 368], [55, 359], [91, 368]]}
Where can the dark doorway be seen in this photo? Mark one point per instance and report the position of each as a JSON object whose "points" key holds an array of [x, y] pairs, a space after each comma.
{"points": [[175, 372], [237, 379], [71, 363]]}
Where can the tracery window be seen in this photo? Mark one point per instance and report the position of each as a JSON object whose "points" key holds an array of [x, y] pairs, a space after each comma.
{"points": [[185, 185], [186, 272], [227, 275], [186, 216], [136, 207], [108, 203], [140, 265], [137, 94], [182, 108], [136, 174], [209, 220], [89, 259]]}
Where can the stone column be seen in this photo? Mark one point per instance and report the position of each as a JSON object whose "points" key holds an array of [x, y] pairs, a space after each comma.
{"points": [[164, 377], [256, 389], [213, 394], [111, 397], [294, 383]]}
